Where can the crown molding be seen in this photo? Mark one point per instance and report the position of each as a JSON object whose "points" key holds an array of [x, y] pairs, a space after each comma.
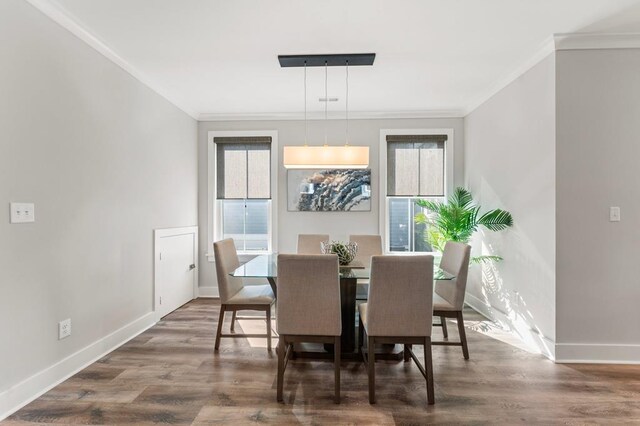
{"points": [[559, 42], [353, 115], [581, 41], [544, 50], [59, 15]]}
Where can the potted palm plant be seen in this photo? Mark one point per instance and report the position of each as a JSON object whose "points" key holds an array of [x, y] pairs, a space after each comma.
{"points": [[458, 219]]}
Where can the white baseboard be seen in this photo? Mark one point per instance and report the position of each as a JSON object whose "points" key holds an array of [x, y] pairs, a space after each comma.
{"points": [[594, 353], [209, 291], [542, 343], [21, 394]]}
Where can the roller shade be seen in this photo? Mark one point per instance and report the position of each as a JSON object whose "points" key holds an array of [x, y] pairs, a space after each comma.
{"points": [[415, 165], [243, 167]]}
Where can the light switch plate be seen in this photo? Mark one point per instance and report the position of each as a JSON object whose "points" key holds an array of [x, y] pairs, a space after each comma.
{"points": [[22, 212], [614, 214]]}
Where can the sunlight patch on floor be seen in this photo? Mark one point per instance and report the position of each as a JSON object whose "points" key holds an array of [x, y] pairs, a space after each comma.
{"points": [[257, 326], [494, 331]]}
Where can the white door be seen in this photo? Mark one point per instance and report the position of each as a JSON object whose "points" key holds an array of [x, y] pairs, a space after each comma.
{"points": [[176, 271]]}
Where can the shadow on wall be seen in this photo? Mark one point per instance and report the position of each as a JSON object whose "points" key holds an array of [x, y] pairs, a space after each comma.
{"points": [[518, 293]]}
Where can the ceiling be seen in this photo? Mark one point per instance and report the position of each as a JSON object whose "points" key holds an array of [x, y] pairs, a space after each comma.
{"points": [[218, 59]]}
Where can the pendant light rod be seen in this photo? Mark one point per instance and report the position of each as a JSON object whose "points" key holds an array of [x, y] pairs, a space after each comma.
{"points": [[347, 106], [306, 131], [326, 104]]}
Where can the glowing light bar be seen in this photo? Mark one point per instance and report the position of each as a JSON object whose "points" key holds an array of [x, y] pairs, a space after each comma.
{"points": [[326, 157]]}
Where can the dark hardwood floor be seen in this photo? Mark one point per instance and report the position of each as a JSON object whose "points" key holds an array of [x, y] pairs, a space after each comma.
{"points": [[170, 374]]}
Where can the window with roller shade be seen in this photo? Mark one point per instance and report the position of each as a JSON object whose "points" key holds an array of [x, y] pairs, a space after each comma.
{"points": [[243, 191], [415, 169]]}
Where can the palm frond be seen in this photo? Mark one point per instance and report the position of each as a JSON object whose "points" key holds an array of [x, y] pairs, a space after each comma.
{"points": [[496, 220], [461, 197]]}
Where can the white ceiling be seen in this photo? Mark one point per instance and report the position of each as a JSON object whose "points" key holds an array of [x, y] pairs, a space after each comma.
{"points": [[217, 57]]}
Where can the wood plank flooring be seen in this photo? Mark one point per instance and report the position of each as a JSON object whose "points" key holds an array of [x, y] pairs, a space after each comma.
{"points": [[170, 375]]}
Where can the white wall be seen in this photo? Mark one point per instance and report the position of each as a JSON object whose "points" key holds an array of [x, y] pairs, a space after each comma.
{"points": [[510, 164], [337, 224], [598, 149], [105, 160]]}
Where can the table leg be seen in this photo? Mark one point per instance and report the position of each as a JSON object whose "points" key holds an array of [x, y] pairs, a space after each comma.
{"points": [[272, 283]]}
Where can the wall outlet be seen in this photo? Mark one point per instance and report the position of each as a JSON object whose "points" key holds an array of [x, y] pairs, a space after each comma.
{"points": [[614, 214], [22, 212], [64, 329]]}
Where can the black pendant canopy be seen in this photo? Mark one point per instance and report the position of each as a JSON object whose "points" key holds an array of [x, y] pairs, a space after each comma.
{"points": [[333, 60]]}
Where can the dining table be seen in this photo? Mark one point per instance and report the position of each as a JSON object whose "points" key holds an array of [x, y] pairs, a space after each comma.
{"points": [[266, 267]]}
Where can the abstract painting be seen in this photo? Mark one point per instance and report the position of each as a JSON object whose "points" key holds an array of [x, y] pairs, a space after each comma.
{"points": [[329, 190]]}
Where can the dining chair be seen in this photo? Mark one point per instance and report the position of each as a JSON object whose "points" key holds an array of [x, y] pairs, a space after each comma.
{"points": [[235, 296], [311, 243], [448, 300], [308, 308], [399, 311], [368, 245]]}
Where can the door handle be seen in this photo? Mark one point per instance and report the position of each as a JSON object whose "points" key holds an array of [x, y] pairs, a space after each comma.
{"points": [[192, 266]]}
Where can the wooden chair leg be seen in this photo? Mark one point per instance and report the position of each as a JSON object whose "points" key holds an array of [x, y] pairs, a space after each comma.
{"points": [[281, 350], [336, 366], [428, 367], [219, 332], [463, 335], [445, 332], [233, 321], [407, 355], [360, 334], [269, 328], [371, 361]]}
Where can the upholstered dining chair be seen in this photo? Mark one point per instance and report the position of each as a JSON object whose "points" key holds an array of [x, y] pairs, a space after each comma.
{"points": [[310, 243], [448, 300], [235, 296], [308, 308], [399, 311], [368, 245]]}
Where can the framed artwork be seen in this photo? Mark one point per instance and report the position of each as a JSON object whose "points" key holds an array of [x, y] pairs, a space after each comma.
{"points": [[328, 190]]}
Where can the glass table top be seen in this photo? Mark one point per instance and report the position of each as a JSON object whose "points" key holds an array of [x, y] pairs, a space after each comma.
{"points": [[266, 266]]}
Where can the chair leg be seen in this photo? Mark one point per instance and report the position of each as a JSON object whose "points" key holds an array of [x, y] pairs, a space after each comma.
{"points": [[371, 361], [407, 355], [428, 367], [336, 366], [281, 350], [360, 334], [269, 328], [233, 321], [219, 332], [445, 333], [463, 335]]}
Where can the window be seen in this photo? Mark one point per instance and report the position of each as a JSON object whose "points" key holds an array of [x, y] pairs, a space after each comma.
{"points": [[243, 192], [415, 168]]}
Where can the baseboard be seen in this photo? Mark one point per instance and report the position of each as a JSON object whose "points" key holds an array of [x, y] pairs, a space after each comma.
{"points": [[208, 292], [594, 353], [21, 394], [544, 345]]}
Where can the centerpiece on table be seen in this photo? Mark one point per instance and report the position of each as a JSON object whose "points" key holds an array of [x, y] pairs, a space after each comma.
{"points": [[346, 251]]}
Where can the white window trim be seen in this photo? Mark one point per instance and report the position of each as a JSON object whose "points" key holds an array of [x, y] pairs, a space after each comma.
{"points": [[448, 172], [213, 226]]}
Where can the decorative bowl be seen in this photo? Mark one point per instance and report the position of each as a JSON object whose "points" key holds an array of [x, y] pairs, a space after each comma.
{"points": [[346, 251]]}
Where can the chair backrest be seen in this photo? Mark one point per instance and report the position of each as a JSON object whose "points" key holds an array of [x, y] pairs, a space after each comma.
{"points": [[310, 243], [400, 296], [227, 261], [308, 295], [455, 260], [368, 245]]}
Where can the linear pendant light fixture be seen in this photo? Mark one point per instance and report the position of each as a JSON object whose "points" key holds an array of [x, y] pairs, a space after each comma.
{"points": [[327, 156]]}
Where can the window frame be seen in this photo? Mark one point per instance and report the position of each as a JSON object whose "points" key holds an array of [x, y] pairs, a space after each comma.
{"points": [[384, 198], [214, 210]]}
